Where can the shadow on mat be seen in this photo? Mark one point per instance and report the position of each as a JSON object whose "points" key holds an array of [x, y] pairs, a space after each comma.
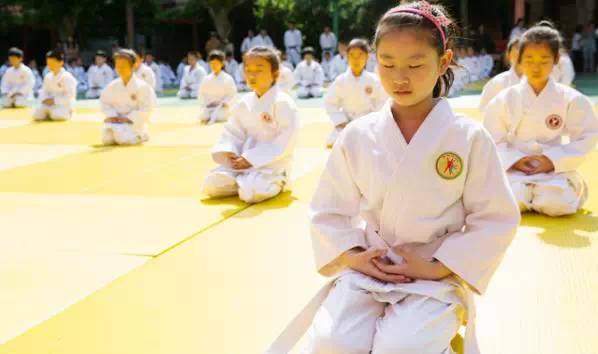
{"points": [[281, 201], [561, 231]]}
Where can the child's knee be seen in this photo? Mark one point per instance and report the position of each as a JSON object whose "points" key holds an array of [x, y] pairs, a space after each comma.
{"points": [[338, 343], [219, 184], [258, 189], [554, 201], [523, 195]]}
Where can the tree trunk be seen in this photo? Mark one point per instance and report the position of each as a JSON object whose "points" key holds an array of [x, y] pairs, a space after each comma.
{"points": [[221, 21], [130, 25]]}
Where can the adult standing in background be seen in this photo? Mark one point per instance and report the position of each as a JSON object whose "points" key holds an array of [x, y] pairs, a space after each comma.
{"points": [[588, 44], [328, 41], [247, 42], [576, 49], [213, 43], [518, 30], [293, 41]]}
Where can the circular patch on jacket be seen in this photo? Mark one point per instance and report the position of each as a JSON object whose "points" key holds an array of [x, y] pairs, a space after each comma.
{"points": [[369, 90], [265, 117], [449, 165], [554, 121]]}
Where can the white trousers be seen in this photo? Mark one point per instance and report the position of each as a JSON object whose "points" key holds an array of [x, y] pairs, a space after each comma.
{"points": [[294, 55], [187, 94], [251, 187], [562, 194], [352, 321], [93, 93], [17, 101], [54, 112], [213, 115], [121, 134], [311, 91]]}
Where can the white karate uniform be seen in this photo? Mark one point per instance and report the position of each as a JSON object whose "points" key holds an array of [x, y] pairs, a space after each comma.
{"points": [[310, 79], [288, 64], [286, 79], [264, 41], [80, 75], [231, 67], [523, 124], [146, 74], [217, 94], [339, 66], [159, 83], [564, 72], [205, 66], [17, 81], [350, 97], [327, 69], [180, 70], [135, 101], [246, 44], [240, 79], [487, 63], [328, 43], [378, 191], [61, 87], [498, 83], [39, 81], [372, 63], [168, 77], [460, 80], [98, 77], [192, 78], [263, 130], [293, 41]]}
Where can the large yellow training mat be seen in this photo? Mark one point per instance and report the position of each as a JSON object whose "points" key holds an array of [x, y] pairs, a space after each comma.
{"points": [[110, 250]]}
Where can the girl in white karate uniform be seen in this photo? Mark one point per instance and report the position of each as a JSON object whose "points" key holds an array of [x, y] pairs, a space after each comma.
{"points": [[505, 79], [217, 91], [437, 209], [143, 71], [256, 149], [58, 92], [354, 93], [543, 130], [127, 103]]}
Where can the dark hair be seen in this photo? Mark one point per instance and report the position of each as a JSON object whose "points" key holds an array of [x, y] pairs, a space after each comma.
{"points": [[193, 53], [514, 42], [101, 53], [359, 43], [15, 52], [541, 34], [308, 50], [266, 53], [216, 55], [391, 21], [126, 54], [55, 54]]}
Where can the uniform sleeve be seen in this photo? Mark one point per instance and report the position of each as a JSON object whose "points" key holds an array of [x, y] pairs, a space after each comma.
{"points": [[147, 102], [299, 76], [496, 121], [285, 115], [90, 82], [231, 92], [581, 126], [43, 92], [491, 219], [4, 87], [233, 137], [568, 74], [491, 90], [334, 205], [105, 103], [152, 79], [334, 103], [69, 92], [26, 87], [319, 79]]}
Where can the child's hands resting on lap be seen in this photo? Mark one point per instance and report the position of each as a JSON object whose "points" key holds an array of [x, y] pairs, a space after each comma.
{"points": [[532, 165], [239, 163], [413, 266], [364, 261]]}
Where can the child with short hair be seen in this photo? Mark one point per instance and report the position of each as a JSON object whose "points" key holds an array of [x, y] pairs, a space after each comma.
{"points": [[59, 90], [17, 82], [217, 91]]}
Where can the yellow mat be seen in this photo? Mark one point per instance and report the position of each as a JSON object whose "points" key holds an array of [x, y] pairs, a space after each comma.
{"points": [[218, 276]]}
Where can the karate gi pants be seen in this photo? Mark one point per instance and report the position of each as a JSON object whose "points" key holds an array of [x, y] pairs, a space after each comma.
{"points": [[121, 134], [54, 112], [251, 186]]}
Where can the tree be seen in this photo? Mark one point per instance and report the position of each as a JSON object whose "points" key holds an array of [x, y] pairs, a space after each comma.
{"points": [[219, 11]]}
